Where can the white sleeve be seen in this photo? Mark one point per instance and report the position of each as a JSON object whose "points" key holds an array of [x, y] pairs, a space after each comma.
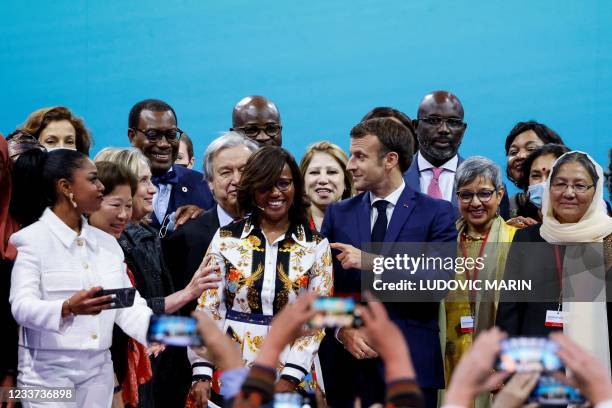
{"points": [[27, 305], [211, 302]]}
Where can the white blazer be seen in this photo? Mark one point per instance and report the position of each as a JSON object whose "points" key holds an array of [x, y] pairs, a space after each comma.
{"points": [[53, 263]]}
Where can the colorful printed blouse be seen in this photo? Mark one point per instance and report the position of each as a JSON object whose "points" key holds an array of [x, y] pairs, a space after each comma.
{"points": [[258, 278]]}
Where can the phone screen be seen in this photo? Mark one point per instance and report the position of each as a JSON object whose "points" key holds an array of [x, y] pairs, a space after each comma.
{"points": [[551, 391], [180, 331], [335, 312], [529, 354]]}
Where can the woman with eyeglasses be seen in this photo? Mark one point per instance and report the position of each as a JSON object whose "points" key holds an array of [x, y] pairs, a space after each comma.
{"points": [[482, 233], [266, 260], [567, 258]]}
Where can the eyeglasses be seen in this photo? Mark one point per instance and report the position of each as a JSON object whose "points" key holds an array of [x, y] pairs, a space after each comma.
{"points": [[270, 129], [484, 196], [155, 135], [452, 123], [281, 184], [561, 187]]}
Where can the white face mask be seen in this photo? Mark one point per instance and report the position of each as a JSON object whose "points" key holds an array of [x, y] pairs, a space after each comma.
{"points": [[536, 191], [50, 149]]}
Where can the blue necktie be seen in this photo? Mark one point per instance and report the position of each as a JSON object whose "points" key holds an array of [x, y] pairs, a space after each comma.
{"points": [[169, 177], [380, 226]]}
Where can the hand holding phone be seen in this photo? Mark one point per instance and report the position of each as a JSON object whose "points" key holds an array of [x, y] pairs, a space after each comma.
{"points": [[120, 298]]}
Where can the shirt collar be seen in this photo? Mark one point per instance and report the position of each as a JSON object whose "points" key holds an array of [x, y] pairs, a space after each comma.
{"points": [[66, 235], [223, 216], [450, 165], [391, 198], [297, 233]]}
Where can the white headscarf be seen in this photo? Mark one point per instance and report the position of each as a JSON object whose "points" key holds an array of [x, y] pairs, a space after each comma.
{"points": [[594, 225], [584, 322]]}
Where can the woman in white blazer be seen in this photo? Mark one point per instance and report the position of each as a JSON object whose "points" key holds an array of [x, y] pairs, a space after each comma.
{"points": [[61, 263]]}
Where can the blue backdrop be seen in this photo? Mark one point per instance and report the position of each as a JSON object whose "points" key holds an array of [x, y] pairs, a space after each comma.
{"points": [[325, 63]]}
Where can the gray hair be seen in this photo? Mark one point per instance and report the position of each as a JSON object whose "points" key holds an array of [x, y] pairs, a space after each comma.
{"points": [[475, 167], [225, 141]]}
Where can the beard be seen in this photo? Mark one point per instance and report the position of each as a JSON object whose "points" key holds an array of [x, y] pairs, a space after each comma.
{"points": [[438, 153]]}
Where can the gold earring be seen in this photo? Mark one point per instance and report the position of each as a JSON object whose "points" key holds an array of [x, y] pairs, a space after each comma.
{"points": [[71, 198]]}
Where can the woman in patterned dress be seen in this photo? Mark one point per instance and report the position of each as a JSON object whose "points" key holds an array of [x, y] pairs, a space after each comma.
{"points": [[266, 260]]}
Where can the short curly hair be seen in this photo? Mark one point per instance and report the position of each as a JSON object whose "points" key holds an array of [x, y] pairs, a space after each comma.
{"points": [[40, 119]]}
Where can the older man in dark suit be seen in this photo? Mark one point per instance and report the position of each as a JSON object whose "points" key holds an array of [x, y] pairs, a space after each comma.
{"points": [[182, 194], [223, 162]]}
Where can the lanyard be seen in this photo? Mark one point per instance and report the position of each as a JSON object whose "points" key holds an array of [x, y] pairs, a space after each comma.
{"points": [[559, 266], [468, 273]]}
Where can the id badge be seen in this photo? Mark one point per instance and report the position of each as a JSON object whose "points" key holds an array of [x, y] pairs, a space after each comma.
{"points": [[467, 324], [554, 318]]}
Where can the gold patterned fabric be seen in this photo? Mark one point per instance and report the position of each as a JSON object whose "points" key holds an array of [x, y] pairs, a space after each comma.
{"points": [[496, 251], [260, 277]]}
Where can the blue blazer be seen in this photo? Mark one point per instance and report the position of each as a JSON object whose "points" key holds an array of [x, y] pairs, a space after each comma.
{"points": [[416, 218], [190, 189], [411, 178]]}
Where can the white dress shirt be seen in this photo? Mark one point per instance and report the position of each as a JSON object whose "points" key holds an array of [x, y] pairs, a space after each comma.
{"points": [[52, 264], [447, 177], [224, 217], [161, 199], [391, 198]]}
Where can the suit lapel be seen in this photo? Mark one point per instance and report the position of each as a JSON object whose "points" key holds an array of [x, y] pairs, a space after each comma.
{"points": [[363, 220], [403, 209], [411, 177], [454, 195]]}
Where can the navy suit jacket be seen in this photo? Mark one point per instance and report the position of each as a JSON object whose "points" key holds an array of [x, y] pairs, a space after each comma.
{"points": [[412, 179], [190, 189], [416, 218]]}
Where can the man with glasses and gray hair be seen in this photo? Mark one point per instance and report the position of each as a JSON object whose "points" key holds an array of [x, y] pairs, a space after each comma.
{"points": [[257, 118], [182, 194], [223, 162]]}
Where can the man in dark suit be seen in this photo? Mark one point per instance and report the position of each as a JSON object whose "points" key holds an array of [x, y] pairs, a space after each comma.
{"points": [[388, 210], [182, 194], [439, 129], [223, 162]]}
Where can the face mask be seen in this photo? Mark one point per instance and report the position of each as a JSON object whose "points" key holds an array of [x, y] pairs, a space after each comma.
{"points": [[535, 194], [51, 149]]}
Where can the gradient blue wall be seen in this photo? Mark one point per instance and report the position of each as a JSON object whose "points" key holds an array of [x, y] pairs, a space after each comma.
{"points": [[324, 63]]}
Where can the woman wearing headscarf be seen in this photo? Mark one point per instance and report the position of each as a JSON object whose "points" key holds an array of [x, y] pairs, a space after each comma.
{"points": [[568, 275], [8, 345]]}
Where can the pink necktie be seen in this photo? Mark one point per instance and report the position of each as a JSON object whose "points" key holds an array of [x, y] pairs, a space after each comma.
{"points": [[434, 187]]}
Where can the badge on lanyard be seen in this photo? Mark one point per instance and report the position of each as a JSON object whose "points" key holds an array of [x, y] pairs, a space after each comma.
{"points": [[467, 324], [554, 318]]}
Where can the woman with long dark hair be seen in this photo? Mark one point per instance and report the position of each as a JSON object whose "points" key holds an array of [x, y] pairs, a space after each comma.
{"points": [[62, 264]]}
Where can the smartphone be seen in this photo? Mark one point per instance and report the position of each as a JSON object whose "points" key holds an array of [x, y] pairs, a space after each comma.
{"points": [[529, 354], [123, 297], [335, 312], [551, 391], [180, 331]]}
